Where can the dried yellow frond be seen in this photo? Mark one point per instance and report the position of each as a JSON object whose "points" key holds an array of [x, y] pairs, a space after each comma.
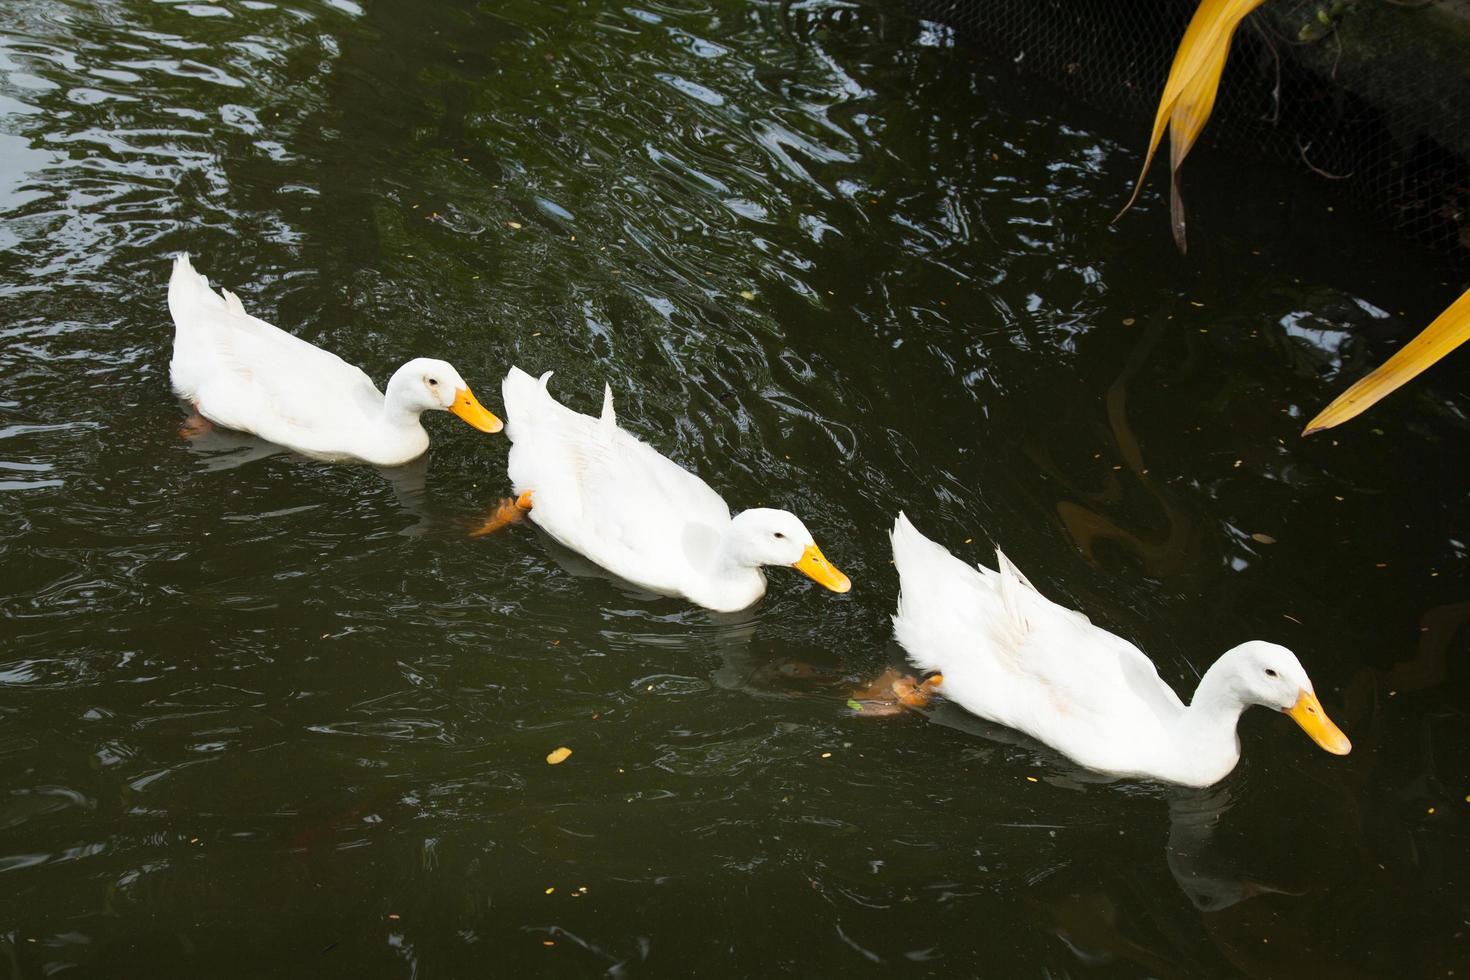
{"points": [[1189, 93], [1449, 330]]}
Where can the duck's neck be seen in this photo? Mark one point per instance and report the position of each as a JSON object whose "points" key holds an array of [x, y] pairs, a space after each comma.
{"points": [[399, 411], [399, 436], [732, 583], [1205, 731]]}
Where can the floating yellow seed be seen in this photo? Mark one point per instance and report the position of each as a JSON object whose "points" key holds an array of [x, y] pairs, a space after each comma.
{"points": [[557, 757]]}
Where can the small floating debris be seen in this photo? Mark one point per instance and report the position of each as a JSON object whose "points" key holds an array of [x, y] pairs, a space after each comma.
{"points": [[514, 224], [557, 757], [1263, 538], [747, 294]]}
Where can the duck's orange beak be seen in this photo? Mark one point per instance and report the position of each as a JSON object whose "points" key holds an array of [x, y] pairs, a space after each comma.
{"points": [[1308, 713], [467, 408], [815, 566]]}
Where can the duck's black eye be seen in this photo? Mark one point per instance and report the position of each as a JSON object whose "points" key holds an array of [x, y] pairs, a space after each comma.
{"points": [[1270, 672], [780, 535], [433, 383]]}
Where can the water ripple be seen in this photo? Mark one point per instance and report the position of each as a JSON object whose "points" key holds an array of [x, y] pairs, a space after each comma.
{"points": [[829, 260]]}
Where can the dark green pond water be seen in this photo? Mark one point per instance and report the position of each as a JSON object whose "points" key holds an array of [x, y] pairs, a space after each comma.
{"points": [[265, 717]]}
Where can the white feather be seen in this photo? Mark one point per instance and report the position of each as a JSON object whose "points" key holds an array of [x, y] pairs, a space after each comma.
{"points": [[608, 495], [1009, 654], [243, 373]]}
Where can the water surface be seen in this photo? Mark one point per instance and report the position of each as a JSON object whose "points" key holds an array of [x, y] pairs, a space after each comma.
{"points": [[262, 716]]}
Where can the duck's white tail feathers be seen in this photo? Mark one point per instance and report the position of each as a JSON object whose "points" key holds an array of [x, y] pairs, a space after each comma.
{"points": [[523, 386], [917, 558], [525, 398], [194, 308], [910, 547], [197, 308], [189, 293], [609, 419], [922, 568]]}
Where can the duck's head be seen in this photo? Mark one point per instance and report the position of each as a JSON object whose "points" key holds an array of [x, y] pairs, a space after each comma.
{"points": [[1271, 675], [425, 384], [762, 536]]}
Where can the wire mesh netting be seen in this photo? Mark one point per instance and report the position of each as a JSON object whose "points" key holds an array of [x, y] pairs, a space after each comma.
{"points": [[1371, 95]]}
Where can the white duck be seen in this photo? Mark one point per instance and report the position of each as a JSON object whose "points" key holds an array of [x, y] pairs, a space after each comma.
{"points": [[243, 373], [616, 500], [1010, 655]]}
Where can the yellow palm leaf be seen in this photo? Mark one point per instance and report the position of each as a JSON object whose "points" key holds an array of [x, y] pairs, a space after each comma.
{"points": [[1191, 112], [1189, 93], [1448, 331]]}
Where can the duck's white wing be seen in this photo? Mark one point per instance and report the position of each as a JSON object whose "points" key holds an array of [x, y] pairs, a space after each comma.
{"points": [[1090, 670], [248, 374], [1008, 652], [602, 491]]}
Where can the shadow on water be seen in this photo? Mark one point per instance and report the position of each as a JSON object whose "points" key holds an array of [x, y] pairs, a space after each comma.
{"points": [[261, 716]]}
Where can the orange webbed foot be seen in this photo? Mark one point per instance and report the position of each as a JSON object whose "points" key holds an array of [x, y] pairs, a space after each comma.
{"points": [[917, 695], [509, 511], [195, 426], [892, 692]]}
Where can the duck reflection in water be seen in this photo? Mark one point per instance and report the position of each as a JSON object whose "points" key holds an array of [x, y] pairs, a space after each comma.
{"points": [[1105, 923], [221, 450]]}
